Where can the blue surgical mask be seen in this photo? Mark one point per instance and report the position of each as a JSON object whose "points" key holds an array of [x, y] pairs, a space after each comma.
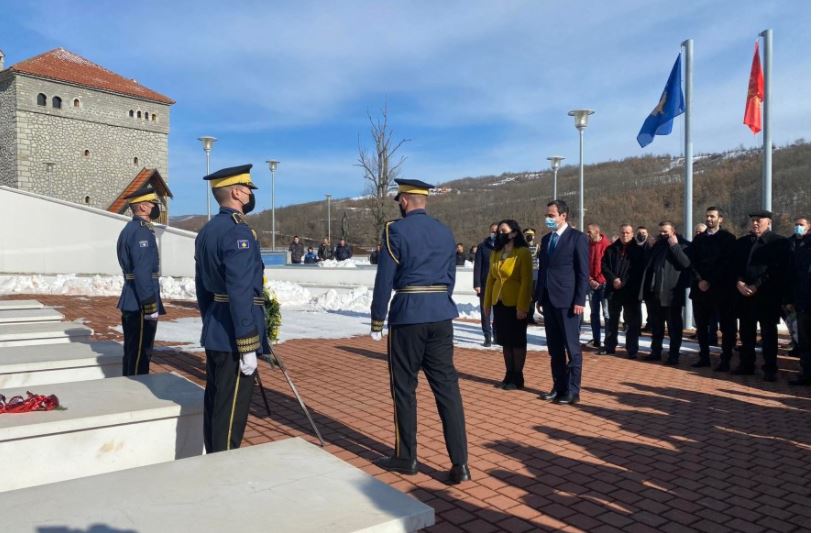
{"points": [[800, 230], [551, 223]]}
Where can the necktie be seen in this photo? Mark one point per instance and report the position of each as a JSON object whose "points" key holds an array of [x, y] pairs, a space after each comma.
{"points": [[553, 242]]}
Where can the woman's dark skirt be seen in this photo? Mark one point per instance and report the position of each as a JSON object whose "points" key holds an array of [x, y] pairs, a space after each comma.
{"points": [[510, 331]]}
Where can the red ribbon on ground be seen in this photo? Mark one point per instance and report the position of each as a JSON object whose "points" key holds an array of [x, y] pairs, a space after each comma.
{"points": [[33, 402]]}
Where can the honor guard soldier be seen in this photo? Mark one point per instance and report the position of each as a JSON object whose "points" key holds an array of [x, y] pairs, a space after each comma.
{"points": [[417, 261], [140, 302], [229, 290]]}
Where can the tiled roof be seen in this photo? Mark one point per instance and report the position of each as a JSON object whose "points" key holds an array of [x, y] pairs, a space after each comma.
{"points": [[61, 65], [145, 175]]}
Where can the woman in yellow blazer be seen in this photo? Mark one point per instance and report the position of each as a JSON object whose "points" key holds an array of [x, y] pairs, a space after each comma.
{"points": [[508, 292]]}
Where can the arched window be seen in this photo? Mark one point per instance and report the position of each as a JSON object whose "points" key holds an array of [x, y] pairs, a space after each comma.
{"points": [[76, 102], [87, 153], [153, 117], [41, 99], [139, 114], [87, 199], [130, 113], [56, 102], [135, 161]]}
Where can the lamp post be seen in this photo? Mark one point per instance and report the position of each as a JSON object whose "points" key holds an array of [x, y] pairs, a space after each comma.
{"points": [[207, 145], [329, 223], [555, 166], [273, 164], [581, 122]]}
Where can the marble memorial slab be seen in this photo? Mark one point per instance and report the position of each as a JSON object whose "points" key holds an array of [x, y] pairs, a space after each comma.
{"points": [[14, 316], [26, 366], [20, 304], [43, 333], [107, 425], [288, 485]]}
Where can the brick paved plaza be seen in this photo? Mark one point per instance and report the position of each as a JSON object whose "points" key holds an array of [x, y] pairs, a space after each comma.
{"points": [[649, 448]]}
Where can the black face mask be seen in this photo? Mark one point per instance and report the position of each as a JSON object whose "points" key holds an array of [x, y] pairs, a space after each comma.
{"points": [[154, 214], [402, 211], [501, 240], [641, 238], [250, 205]]}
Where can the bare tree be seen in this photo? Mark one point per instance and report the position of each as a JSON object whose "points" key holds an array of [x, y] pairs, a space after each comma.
{"points": [[380, 169]]}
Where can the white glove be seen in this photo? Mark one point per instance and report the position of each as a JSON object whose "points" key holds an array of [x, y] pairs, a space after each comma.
{"points": [[376, 335], [248, 363], [152, 316]]}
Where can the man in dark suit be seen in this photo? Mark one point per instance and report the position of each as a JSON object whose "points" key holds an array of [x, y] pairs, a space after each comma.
{"points": [[622, 266], [481, 272], [664, 280], [562, 283], [760, 263], [798, 295], [711, 290]]}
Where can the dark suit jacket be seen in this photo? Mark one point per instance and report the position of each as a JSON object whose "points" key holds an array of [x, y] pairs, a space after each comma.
{"points": [[763, 264], [481, 263], [563, 276]]}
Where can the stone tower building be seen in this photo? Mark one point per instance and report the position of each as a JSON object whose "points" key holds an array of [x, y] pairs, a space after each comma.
{"points": [[73, 130]]}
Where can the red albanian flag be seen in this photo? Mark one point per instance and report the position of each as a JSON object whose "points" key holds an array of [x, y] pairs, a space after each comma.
{"points": [[755, 95]]}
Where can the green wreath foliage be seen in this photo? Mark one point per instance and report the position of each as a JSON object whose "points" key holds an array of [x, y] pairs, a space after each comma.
{"points": [[272, 315]]}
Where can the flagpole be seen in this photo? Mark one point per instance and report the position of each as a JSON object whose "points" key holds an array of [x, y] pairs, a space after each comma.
{"points": [[767, 180], [688, 197]]}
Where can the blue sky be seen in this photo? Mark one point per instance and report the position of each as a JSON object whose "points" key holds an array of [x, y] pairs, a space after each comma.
{"points": [[480, 87]]}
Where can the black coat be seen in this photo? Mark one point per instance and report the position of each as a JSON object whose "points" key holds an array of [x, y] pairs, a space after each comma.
{"points": [[666, 273], [763, 262], [799, 282], [625, 262], [296, 251], [324, 252], [343, 253], [710, 261], [481, 263]]}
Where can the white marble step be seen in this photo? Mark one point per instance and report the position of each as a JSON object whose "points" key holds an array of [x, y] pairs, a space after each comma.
{"points": [[106, 425], [288, 485], [26, 366], [43, 333], [14, 316], [20, 304]]}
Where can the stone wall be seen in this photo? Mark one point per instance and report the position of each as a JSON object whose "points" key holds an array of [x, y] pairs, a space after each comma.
{"points": [[8, 124], [94, 143]]}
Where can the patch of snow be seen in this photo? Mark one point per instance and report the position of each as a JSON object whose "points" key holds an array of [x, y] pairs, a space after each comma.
{"points": [[346, 263]]}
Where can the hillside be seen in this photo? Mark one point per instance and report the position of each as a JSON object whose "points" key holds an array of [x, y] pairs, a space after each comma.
{"points": [[640, 190]]}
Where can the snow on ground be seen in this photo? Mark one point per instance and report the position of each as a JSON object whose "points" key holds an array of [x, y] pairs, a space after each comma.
{"points": [[346, 263], [334, 314]]}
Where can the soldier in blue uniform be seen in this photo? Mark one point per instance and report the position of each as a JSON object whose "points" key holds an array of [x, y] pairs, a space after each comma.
{"points": [[140, 302], [229, 290], [417, 261]]}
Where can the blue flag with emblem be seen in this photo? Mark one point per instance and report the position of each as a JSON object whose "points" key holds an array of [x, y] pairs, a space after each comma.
{"points": [[671, 104]]}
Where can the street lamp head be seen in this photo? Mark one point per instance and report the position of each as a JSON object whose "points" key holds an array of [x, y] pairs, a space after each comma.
{"points": [[555, 161], [273, 164], [207, 142], [581, 117]]}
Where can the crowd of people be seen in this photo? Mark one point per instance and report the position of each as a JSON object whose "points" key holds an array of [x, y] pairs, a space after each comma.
{"points": [[326, 251], [737, 285]]}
